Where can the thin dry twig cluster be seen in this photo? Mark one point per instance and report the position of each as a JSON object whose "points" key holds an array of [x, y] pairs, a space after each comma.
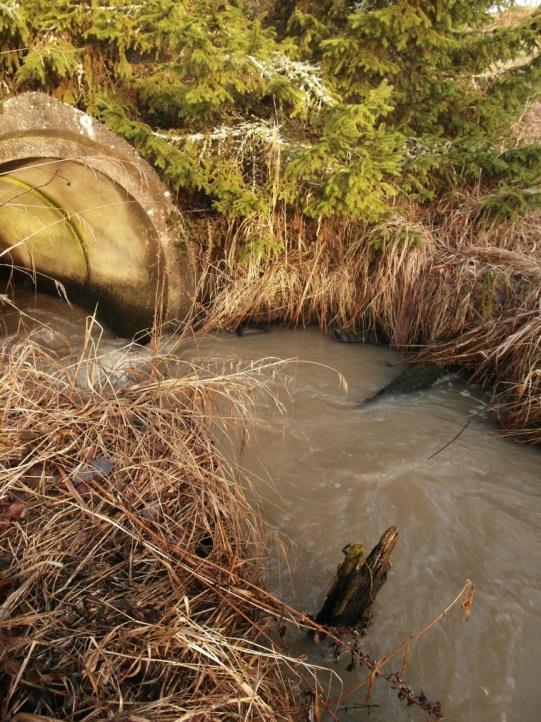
{"points": [[435, 281]]}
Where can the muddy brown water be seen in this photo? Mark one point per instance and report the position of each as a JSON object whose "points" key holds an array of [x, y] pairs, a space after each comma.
{"points": [[328, 472]]}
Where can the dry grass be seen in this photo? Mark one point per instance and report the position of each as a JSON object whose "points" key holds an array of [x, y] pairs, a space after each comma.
{"points": [[436, 282], [127, 552]]}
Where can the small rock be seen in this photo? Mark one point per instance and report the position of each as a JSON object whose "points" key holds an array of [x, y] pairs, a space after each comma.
{"points": [[100, 468], [415, 377], [114, 366]]}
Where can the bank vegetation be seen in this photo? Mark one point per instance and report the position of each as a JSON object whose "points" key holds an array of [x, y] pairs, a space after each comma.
{"points": [[132, 564]]}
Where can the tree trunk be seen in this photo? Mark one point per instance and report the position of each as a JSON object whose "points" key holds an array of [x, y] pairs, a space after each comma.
{"points": [[358, 580]]}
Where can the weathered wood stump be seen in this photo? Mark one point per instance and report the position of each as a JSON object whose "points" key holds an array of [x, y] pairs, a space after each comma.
{"points": [[358, 580]]}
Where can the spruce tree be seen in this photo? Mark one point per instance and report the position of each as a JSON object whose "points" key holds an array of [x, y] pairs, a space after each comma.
{"points": [[458, 78]]}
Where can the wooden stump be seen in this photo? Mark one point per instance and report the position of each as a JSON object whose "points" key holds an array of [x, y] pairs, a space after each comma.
{"points": [[358, 580]]}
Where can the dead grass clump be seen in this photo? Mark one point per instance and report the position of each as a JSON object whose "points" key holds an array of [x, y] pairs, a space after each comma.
{"points": [[505, 355], [509, 17], [327, 273], [126, 553]]}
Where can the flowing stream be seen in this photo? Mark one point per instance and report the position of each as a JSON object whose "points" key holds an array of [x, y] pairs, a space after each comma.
{"points": [[329, 471]]}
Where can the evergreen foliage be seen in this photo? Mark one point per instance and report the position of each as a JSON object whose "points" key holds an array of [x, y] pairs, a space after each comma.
{"points": [[459, 79], [334, 107]]}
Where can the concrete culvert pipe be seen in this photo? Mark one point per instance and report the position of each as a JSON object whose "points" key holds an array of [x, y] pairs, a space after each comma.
{"points": [[79, 206]]}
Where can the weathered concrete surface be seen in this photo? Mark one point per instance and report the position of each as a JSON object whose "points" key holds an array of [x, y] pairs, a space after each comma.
{"points": [[79, 205]]}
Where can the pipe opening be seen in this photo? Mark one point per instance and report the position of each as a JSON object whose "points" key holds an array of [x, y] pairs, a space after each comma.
{"points": [[63, 221]]}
